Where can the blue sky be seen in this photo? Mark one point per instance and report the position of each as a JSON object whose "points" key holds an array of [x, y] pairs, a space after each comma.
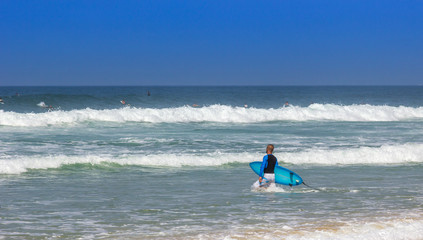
{"points": [[159, 42]]}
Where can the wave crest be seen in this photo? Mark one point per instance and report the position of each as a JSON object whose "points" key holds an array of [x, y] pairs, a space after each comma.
{"points": [[400, 154], [215, 113]]}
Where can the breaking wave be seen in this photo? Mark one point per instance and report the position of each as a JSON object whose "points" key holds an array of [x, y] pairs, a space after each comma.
{"points": [[216, 113], [387, 154]]}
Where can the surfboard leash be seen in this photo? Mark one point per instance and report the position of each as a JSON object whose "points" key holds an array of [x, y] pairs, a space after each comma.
{"points": [[320, 190]]}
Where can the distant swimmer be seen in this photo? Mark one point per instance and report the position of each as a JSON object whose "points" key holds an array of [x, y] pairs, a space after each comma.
{"points": [[286, 104], [245, 105], [1, 101], [124, 103], [148, 93], [195, 105]]}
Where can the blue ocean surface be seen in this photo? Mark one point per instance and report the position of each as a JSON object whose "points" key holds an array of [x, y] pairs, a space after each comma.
{"points": [[172, 162]]}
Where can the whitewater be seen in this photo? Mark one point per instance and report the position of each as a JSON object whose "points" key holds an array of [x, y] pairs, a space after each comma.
{"points": [[116, 163], [215, 113], [387, 154]]}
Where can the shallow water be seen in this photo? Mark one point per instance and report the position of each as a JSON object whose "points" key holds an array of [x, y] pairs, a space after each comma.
{"points": [[207, 202]]}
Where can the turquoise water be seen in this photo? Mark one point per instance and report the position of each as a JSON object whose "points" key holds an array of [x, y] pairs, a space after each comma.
{"points": [[93, 168]]}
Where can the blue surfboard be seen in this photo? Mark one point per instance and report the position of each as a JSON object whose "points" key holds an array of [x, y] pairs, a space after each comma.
{"points": [[282, 175]]}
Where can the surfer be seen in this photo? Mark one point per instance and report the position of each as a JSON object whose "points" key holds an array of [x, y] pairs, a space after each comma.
{"points": [[267, 169], [43, 105]]}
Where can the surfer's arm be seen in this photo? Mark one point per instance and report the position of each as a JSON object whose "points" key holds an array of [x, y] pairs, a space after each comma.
{"points": [[263, 166]]}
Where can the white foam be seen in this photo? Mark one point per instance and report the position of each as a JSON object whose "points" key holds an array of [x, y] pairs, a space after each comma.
{"points": [[216, 113], [271, 189], [399, 154], [406, 228], [19, 165], [386, 154], [42, 104], [385, 228]]}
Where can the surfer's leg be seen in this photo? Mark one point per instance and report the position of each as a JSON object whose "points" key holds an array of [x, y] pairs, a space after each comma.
{"points": [[264, 183], [269, 177], [256, 184]]}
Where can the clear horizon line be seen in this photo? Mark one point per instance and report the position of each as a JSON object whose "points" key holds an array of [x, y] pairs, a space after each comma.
{"points": [[192, 85]]}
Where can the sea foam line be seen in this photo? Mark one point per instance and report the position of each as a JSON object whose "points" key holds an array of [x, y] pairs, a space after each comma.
{"points": [[386, 154], [216, 113], [408, 227], [398, 154], [17, 165], [403, 228]]}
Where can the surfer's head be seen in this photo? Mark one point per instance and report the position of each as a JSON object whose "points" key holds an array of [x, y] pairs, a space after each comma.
{"points": [[270, 148]]}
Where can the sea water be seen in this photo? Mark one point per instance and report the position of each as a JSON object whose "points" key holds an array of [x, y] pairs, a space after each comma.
{"points": [[76, 163]]}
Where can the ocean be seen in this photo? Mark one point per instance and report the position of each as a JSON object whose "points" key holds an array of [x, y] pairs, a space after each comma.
{"points": [[77, 163]]}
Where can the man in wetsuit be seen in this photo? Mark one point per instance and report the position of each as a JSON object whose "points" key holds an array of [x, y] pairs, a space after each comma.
{"points": [[267, 169]]}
